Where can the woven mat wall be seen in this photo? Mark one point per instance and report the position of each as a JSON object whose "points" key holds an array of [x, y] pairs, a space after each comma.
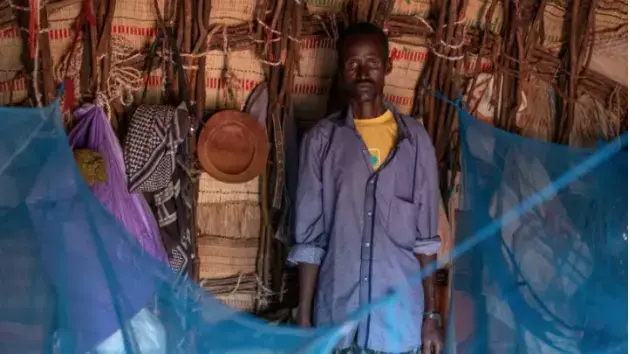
{"points": [[136, 21], [11, 90], [232, 12], [228, 219], [231, 78], [60, 33]]}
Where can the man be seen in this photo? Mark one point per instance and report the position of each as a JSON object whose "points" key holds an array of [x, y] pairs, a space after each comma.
{"points": [[367, 211]]}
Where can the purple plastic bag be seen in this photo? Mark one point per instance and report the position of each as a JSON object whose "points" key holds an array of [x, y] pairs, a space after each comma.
{"points": [[93, 131]]}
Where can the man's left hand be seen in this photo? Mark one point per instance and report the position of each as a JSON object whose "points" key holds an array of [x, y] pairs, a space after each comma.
{"points": [[432, 341]]}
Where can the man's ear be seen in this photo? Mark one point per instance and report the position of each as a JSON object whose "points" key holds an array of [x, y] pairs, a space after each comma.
{"points": [[388, 66]]}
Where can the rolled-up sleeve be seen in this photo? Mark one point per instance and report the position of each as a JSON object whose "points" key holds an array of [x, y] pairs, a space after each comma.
{"points": [[428, 242], [311, 240]]}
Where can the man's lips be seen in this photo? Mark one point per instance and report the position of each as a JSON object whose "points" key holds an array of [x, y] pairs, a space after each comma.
{"points": [[363, 84]]}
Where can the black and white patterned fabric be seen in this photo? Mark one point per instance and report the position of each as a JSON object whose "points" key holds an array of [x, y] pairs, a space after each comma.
{"points": [[173, 211], [150, 145]]}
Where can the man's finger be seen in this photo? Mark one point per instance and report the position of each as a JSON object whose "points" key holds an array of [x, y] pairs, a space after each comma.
{"points": [[438, 348]]}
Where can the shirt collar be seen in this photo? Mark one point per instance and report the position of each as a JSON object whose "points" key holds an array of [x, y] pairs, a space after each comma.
{"points": [[347, 118]]}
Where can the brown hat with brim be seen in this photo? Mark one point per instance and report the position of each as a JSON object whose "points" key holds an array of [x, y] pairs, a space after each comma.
{"points": [[233, 147]]}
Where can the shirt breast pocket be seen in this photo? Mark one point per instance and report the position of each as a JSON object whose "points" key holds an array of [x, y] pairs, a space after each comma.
{"points": [[401, 223]]}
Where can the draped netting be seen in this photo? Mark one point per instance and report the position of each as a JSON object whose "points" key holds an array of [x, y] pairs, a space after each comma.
{"points": [[550, 278]]}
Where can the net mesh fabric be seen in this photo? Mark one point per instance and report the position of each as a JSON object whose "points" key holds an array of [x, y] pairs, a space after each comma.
{"points": [[529, 275]]}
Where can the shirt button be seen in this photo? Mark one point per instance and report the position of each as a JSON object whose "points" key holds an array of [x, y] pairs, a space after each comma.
{"points": [[367, 244], [369, 213], [365, 279]]}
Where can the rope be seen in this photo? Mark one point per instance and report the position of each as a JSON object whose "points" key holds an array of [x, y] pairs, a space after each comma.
{"points": [[123, 80]]}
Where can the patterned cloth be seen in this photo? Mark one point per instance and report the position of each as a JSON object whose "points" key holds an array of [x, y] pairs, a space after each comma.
{"points": [[150, 146], [172, 208]]}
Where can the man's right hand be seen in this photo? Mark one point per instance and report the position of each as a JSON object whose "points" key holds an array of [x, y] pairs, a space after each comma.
{"points": [[303, 321], [308, 280]]}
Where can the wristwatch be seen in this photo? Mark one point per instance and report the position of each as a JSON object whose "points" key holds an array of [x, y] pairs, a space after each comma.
{"points": [[433, 316]]}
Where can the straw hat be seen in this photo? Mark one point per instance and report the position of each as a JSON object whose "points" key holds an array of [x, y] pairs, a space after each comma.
{"points": [[233, 147]]}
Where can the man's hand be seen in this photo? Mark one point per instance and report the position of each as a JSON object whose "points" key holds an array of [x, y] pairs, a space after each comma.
{"points": [[303, 319], [308, 281], [432, 341]]}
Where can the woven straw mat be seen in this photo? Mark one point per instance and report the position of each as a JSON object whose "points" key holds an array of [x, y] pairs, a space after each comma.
{"points": [[231, 78], [232, 12], [311, 85], [611, 60], [155, 89], [136, 20], [213, 191], [240, 301], [235, 220], [400, 84], [220, 257], [326, 6], [61, 22], [11, 90]]}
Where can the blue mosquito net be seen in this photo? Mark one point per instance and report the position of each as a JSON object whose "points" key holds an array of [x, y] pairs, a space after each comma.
{"points": [[539, 264]]}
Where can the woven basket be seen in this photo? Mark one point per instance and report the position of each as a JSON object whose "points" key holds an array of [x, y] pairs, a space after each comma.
{"points": [[232, 12], [229, 84], [220, 257], [239, 301], [212, 191], [236, 220]]}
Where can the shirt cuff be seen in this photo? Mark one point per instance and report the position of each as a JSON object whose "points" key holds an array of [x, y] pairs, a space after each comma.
{"points": [[428, 246], [305, 254]]}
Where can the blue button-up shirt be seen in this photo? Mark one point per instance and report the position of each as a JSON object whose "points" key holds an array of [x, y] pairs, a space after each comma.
{"points": [[364, 227]]}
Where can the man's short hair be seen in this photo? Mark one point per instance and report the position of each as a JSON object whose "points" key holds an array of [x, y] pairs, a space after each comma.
{"points": [[362, 29]]}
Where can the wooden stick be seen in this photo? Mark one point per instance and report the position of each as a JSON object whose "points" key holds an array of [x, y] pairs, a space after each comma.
{"points": [[46, 59]]}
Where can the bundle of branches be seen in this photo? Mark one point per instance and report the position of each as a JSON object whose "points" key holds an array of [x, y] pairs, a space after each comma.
{"points": [[278, 29]]}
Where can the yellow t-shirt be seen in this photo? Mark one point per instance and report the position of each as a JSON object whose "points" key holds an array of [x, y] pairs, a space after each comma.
{"points": [[379, 135]]}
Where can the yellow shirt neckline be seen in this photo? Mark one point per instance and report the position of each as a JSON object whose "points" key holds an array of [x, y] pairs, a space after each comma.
{"points": [[383, 118]]}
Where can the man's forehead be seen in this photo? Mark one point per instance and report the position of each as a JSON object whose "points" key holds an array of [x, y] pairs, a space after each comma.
{"points": [[364, 42]]}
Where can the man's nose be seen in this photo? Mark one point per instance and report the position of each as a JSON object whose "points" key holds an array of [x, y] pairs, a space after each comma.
{"points": [[363, 71]]}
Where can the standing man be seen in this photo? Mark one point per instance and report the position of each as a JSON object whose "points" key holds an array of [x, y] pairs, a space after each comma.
{"points": [[367, 211]]}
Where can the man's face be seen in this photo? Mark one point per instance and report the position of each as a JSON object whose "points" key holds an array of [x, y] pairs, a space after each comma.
{"points": [[363, 68]]}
